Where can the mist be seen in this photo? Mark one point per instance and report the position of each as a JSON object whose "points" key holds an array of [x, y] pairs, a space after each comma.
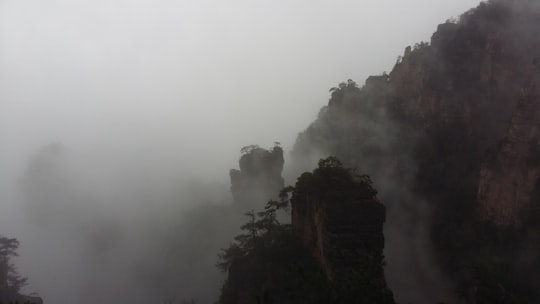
{"points": [[119, 121]]}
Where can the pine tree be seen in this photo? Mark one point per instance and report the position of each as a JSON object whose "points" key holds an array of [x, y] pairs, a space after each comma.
{"points": [[10, 280]]}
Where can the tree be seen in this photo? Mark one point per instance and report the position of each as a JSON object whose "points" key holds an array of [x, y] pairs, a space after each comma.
{"points": [[10, 280]]}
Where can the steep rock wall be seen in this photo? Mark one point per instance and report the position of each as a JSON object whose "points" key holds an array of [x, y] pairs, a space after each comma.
{"points": [[440, 144], [338, 218], [340, 232], [508, 178]]}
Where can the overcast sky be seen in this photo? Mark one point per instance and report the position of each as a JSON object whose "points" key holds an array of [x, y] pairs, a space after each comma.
{"points": [[197, 79]]}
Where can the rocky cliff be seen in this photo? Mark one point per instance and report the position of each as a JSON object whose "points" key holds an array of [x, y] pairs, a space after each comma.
{"points": [[471, 99], [336, 215], [450, 139], [338, 218], [331, 253], [508, 178]]}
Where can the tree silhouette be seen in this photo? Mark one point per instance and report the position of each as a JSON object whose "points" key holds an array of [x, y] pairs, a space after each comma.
{"points": [[10, 281]]}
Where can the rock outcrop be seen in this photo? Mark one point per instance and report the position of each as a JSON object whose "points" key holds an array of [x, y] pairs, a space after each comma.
{"points": [[332, 252], [259, 178], [339, 219], [337, 216]]}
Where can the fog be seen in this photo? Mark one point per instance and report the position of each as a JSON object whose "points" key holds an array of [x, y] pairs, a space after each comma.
{"points": [[117, 117]]}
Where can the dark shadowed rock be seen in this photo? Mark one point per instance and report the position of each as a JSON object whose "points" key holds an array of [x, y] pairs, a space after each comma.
{"points": [[337, 216], [508, 178]]}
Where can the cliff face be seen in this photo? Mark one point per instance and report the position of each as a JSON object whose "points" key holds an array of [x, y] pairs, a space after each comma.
{"points": [[448, 105], [451, 141], [508, 178], [339, 220], [336, 214], [467, 83], [473, 86]]}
